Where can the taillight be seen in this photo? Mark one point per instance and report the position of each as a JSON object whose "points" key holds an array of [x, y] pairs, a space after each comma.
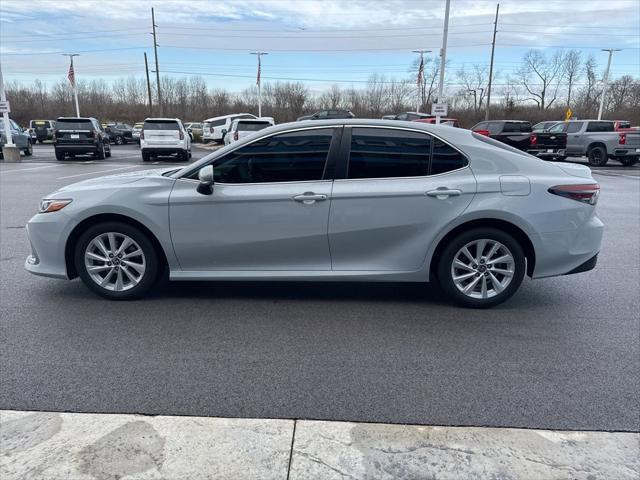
{"points": [[141, 134], [482, 132], [235, 135], [92, 133], [533, 139], [586, 193], [181, 135], [623, 138]]}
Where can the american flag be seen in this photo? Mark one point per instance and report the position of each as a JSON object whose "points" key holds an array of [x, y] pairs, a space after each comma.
{"points": [[420, 71], [258, 76], [71, 76]]}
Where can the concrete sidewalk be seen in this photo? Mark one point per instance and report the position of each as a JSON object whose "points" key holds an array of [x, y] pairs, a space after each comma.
{"points": [[70, 446]]}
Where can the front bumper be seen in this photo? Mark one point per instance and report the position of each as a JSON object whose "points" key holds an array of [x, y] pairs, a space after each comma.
{"points": [[48, 233]]}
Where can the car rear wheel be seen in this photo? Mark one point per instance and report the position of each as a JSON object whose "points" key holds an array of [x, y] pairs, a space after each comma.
{"points": [[597, 156], [116, 260], [628, 161], [481, 268], [100, 153], [59, 155], [29, 150], [145, 156], [119, 140]]}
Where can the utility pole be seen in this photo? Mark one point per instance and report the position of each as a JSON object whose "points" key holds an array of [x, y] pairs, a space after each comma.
{"points": [[10, 151], [420, 78], [443, 54], [605, 80], [155, 51], [72, 79], [146, 69], [493, 49], [259, 54]]}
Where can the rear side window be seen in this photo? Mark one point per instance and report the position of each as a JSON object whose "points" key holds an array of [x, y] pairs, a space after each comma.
{"points": [[74, 125], [445, 158], [288, 157], [387, 153], [600, 127], [160, 125]]}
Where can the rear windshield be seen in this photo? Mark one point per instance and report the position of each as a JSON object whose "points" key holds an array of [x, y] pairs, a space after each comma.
{"points": [[216, 123], [252, 126], [160, 125], [74, 125]]}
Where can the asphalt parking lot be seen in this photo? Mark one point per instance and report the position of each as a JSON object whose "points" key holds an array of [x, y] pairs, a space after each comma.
{"points": [[564, 353]]}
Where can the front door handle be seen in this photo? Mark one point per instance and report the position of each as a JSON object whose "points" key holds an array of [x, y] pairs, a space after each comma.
{"points": [[442, 193], [309, 198]]}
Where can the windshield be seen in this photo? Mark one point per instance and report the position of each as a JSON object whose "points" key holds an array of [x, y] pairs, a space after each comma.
{"points": [[74, 125], [160, 125]]}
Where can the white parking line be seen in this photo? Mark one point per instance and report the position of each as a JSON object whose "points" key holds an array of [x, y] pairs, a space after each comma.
{"points": [[98, 172], [13, 170]]}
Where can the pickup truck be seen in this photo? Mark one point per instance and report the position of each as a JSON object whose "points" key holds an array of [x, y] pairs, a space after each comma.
{"points": [[519, 134], [599, 142]]}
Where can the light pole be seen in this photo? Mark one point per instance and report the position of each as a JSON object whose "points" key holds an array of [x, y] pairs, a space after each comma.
{"points": [[605, 80], [420, 78], [259, 54], [72, 79], [443, 53]]}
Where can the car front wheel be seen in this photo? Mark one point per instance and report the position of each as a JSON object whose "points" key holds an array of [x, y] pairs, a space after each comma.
{"points": [[481, 268], [116, 261]]}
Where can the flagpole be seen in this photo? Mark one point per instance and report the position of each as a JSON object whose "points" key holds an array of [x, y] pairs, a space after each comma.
{"points": [[420, 77], [258, 82], [73, 84]]}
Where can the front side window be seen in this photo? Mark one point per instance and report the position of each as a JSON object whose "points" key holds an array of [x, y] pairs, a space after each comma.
{"points": [[386, 153], [287, 157], [574, 127]]}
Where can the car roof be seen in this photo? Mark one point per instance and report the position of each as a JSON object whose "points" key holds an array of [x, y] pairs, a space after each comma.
{"points": [[161, 119]]}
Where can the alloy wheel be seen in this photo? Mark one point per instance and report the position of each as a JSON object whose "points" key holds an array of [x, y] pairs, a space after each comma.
{"points": [[482, 268], [115, 261]]}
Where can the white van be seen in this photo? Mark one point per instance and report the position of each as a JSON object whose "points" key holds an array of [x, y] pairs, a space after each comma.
{"points": [[212, 127], [240, 128]]}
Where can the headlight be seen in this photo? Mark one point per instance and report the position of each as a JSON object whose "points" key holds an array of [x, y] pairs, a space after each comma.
{"points": [[48, 205]]}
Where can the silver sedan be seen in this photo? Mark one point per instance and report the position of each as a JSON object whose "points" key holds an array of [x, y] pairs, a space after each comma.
{"points": [[336, 200]]}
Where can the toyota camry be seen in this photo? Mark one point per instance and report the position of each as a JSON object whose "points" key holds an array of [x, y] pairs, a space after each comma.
{"points": [[334, 200]]}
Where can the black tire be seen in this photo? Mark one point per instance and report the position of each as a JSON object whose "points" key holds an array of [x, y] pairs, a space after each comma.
{"points": [[561, 158], [152, 266], [190, 154], [119, 140], [29, 150], [100, 153], [108, 152], [59, 155], [445, 262], [597, 156], [628, 161], [145, 156], [184, 156]]}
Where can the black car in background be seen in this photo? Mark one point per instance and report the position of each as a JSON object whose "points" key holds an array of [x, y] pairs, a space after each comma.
{"points": [[43, 129], [328, 115], [519, 134], [119, 133], [80, 135]]}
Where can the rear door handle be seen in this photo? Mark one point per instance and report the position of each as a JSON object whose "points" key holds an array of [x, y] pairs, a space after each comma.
{"points": [[309, 198], [443, 192]]}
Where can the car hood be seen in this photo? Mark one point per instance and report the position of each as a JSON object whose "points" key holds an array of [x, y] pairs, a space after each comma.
{"points": [[116, 179]]}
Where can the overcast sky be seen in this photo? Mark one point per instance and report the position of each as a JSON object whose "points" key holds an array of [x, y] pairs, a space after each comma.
{"points": [[317, 41]]}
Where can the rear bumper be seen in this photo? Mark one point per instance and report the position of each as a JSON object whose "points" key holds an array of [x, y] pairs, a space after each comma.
{"points": [[627, 152], [547, 152], [586, 266], [163, 150], [560, 253], [76, 148]]}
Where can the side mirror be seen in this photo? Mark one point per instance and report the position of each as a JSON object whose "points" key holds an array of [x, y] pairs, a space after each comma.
{"points": [[205, 175]]}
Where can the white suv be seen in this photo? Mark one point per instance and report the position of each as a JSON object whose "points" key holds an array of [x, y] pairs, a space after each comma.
{"points": [[164, 136], [212, 127]]}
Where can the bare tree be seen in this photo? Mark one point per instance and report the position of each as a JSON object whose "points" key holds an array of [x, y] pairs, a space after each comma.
{"points": [[540, 77], [572, 71], [474, 85]]}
